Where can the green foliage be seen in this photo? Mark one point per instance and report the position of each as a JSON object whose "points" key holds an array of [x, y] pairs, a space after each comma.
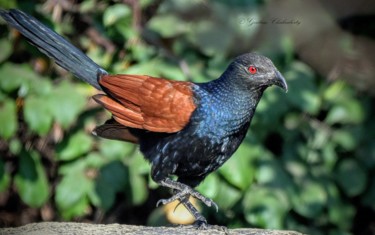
{"points": [[78, 144], [306, 164], [31, 180], [8, 118]]}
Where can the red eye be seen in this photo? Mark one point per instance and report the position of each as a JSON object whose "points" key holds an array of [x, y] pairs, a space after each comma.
{"points": [[252, 69]]}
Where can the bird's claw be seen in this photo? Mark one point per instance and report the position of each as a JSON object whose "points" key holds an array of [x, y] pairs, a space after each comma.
{"points": [[161, 201], [180, 196], [201, 224], [207, 201]]}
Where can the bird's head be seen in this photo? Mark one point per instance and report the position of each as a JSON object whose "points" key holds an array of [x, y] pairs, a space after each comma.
{"points": [[256, 71]]}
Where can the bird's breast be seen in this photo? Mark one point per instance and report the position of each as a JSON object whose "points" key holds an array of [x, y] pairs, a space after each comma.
{"points": [[219, 115]]}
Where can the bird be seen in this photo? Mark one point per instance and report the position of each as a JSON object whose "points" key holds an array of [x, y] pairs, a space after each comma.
{"points": [[184, 129]]}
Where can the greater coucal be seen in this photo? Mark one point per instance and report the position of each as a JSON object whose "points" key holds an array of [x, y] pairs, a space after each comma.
{"points": [[184, 129]]}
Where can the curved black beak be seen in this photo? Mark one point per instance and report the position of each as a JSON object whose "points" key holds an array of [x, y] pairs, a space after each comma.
{"points": [[279, 81]]}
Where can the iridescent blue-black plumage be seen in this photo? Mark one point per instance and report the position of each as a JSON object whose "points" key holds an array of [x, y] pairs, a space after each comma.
{"points": [[216, 128], [184, 129]]}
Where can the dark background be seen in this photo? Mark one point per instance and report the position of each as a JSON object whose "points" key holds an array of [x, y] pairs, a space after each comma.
{"points": [[307, 163]]}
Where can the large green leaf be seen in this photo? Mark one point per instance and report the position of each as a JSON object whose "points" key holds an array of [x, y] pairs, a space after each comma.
{"points": [[31, 180], [227, 196], [12, 76], [77, 145], [115, 13], [265, 207], [239, 170], [271, 173], [65, 102], [113, 178], [139, 191], [350, 112], [351, 177], [72, 194], [5, 48], [8, 118], [303, 92], [37, 114], [340, 213], [79, 208], [210, 36], [168, 25], [115, 150], [210, 186], [310, 199], [22, 77]]}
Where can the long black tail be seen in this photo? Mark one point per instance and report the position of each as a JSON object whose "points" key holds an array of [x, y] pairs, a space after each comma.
{"points": [[55, 46]]}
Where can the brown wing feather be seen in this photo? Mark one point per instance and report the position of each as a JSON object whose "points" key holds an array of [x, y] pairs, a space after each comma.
{"points": [[149, 103], [115, 131]]}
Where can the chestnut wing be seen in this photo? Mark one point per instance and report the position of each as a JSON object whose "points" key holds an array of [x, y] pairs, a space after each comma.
{"points": [[146, 102]]}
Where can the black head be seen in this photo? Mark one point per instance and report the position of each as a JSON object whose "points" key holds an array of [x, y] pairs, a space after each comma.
{"points": [[255, 71]]}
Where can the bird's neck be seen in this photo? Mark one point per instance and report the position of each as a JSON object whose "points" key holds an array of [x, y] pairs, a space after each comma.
{"points": [[228, 106], [234, 93]]}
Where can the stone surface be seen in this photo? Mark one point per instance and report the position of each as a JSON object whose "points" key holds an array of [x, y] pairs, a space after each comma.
{"points": [[57, 228]]}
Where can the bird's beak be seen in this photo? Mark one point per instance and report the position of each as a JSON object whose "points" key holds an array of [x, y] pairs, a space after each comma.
{"points": [[279, 81]]}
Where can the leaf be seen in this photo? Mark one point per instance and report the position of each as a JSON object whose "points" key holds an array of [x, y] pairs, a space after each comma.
{"points": [[227, 196], [7, 4], [168, 25], [23, 78], [31, 180], [37, 114], [238, 170], [4, 177], [303, 92], [337, 92], [350, 112], [142, 52], [5, 48], [15, 146], [270, 173], [340, 213], [77, 145], [140, 164], [351, 177], [65, 103], [210, 186], [11, 77], [115, 150], [139, 191], [71, 192], [8, 118], [210, 36], [113, 178], [345, 139], [79, 208], [271, 107], [310, 199], [265, 208], [115, 13], [170, 71]]}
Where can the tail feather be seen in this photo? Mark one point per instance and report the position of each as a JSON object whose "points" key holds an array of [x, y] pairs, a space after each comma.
{"points": [[54, 46]]}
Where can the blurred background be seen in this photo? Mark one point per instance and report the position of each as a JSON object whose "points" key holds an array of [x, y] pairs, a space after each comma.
{"points": [[307, 163]]}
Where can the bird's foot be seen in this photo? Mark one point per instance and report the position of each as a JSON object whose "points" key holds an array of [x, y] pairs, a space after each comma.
{"points": [[189, 191], [203, 225], [200, 221]]}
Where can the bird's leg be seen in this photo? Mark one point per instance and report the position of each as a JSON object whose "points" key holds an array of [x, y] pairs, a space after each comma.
{"points": [[183, 190], [200, 221]]}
